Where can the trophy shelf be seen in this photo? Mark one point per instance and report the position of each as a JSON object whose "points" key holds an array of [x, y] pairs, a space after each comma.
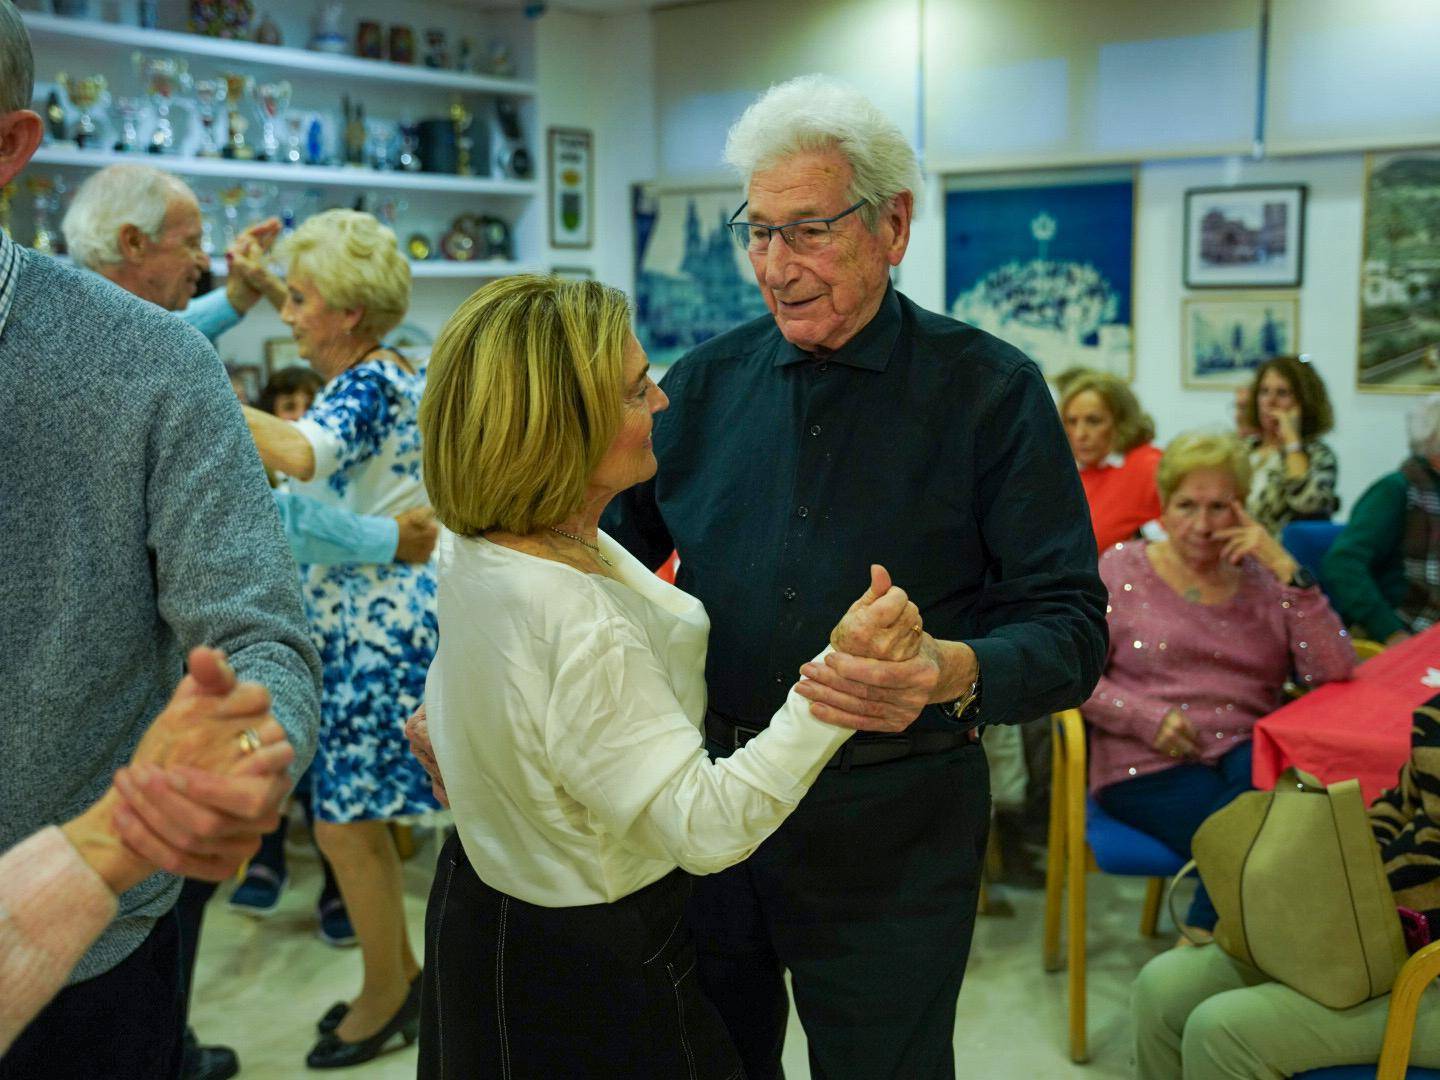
{"points": [[280, 58], [476, 270], [318, 175]]}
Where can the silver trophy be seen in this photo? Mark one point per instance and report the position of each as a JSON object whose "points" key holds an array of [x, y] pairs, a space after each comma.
{"points": [[165, 78], [273, 98], [209, 93], [128, 140], [84, 93]]}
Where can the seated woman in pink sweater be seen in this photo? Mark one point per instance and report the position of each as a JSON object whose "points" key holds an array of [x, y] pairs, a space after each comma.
{"points": [[1205, 629], [216, 742]]}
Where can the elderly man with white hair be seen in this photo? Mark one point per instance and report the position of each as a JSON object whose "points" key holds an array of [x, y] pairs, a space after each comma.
{"points": [[1383, 572], [141, 228], [874, 432]]}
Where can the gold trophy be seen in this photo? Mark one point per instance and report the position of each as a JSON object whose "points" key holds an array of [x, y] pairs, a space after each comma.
{"points": [[84, 93], [7, 198], [237, 89], [462, 118]]}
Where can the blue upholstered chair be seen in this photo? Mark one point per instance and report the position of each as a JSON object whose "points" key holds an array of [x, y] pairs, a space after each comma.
{"points": [[1308, 541], [1083, 838]]}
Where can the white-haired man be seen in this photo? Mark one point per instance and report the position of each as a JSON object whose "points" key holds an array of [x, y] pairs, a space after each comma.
{"points": [[875, 431], [120, 433]]}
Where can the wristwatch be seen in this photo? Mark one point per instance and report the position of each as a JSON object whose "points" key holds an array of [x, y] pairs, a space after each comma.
{"points": [[967, 705], [1302, 579]]}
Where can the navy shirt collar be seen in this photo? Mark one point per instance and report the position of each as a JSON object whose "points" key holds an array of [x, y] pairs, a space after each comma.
{"points": [[870, 349]]}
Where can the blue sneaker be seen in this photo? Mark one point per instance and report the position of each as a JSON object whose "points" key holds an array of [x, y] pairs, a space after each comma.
{"points": [[259, 894], [335, 929]]}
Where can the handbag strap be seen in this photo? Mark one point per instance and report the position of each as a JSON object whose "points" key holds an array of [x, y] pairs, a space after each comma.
{"points": [[1184, 871]]}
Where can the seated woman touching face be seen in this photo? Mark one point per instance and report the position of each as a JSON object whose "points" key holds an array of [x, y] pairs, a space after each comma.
{"points": [[1206, 627], [565, 708]]}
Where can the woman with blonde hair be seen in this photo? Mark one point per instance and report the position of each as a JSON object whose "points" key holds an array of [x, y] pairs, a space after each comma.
{"points": [[1110, 436], [358, 447], [1206, 627], [565, 707]]}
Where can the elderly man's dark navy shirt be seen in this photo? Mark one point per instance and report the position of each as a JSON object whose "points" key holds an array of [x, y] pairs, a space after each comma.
{"points": [[923, 444]]}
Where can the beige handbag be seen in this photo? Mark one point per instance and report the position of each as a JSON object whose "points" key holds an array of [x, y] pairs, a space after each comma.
{"points": [[1296, 877]]}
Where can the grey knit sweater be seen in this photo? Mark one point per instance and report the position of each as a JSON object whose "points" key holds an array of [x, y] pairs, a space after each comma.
{"points": [[135, 523]]}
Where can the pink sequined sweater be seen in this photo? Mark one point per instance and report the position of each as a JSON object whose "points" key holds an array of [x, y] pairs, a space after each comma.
{"points": [[1221, 665]]}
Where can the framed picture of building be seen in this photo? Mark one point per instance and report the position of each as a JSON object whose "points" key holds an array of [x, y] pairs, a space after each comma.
{"points": [[692, 281], [1227, 337], [1045, 261], [1245, 237], [1399, 349]]}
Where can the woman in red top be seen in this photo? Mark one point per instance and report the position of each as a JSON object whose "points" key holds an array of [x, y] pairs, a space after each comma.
{"points": [[1110, 438]]}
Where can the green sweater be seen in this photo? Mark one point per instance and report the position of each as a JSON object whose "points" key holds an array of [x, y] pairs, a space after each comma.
{"points": [[1364, 571]]}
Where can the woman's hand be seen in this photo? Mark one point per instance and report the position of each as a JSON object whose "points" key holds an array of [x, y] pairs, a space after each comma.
{"points": [[418, 732], [1176, 737], [1252, 538], [882, 625], [1287, 424]]}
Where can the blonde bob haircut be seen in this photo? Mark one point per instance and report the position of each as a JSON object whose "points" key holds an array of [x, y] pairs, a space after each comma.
{"points": [[1195, 450], [522, 400], [353, 262], [1133, 426]]}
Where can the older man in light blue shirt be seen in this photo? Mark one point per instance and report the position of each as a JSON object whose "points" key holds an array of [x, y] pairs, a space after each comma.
{"points": [[140, 228]]}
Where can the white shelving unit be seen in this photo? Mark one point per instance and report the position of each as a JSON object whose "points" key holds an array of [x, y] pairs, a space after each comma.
{"points": [[319, 175], [48, 30]]}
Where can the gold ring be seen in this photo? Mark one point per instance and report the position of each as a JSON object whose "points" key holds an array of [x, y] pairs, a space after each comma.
{"points": [[917, 629], [1174, 753], [249, 740]]}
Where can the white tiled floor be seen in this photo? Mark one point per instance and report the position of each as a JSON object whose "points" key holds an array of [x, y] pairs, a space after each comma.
{"points": [[261, 985]]}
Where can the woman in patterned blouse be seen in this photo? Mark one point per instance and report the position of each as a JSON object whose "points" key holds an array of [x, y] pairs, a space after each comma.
{"points": [[1294, 469], [358, 447]]}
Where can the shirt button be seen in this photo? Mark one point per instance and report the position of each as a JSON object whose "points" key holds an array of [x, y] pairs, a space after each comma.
{"points": [[814, 429], [804, 511], [779, 678], [789, 594], [824, 367]]}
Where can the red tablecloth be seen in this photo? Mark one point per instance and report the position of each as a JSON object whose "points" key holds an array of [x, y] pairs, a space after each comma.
{"points": [[1356, 728]]}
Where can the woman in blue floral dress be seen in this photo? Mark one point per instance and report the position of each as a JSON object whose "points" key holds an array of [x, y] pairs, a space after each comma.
{"points": [[359, 447]]}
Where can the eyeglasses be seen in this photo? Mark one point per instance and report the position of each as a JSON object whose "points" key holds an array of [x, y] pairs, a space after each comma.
{"points": [[805, 237]]}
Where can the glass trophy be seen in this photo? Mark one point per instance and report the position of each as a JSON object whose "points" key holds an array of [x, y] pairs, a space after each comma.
{"points": [[273, 98], [42, 192], [128, 140], [84, 93], [164, 78], [209, 93]]}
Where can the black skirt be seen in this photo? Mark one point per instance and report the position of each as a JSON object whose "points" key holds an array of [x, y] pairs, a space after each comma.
{"points": [[514, 991]]}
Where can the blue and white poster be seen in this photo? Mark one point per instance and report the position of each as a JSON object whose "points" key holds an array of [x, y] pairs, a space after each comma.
{"points": [[1045, 262], [692, 281]]}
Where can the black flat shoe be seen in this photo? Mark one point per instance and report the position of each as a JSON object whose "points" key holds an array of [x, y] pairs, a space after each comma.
{"points": [[333, 1052], [333, 1017], [336, 1013]]}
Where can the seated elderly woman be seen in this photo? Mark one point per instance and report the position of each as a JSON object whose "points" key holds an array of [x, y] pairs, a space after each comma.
{"points": [[358, 448], [565, 706], [1110, 438], [1206, 627], [1200, 1014], [1294, 469], [212, 754], [1383, 571]]}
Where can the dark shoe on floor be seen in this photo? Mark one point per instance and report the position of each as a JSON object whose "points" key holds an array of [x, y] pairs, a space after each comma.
{"points": [[332, 1018], [259, 894], [333, 1052], [335, 929], [207, 1062]]}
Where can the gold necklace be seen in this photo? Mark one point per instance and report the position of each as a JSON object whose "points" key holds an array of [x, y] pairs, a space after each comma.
{"points": [[582, 541]]}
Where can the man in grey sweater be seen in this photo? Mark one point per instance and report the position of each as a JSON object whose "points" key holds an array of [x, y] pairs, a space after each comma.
{"points": [[136, 523]]}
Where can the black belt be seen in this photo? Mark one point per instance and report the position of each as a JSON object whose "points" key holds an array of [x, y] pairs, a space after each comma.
{"points": [[859, 751]]}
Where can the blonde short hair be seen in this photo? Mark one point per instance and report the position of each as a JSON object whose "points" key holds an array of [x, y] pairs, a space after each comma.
{"points": [[1133, 426], [1195, 450], [354, 262], [522, 399]]}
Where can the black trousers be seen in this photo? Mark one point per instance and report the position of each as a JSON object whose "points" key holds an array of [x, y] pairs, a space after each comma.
{"points": [[512, 991], [867, 893], [126, 1024]]}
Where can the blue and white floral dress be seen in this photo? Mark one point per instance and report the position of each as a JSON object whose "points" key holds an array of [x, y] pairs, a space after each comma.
{"points": [[373, 623]]}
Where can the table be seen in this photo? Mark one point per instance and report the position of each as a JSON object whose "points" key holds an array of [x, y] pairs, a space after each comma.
{"points": [[1360, 727]]}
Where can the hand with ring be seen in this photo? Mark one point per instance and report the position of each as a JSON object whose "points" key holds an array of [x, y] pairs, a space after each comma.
{"points": [[208, 778], [882, 625], [1176, 736]]}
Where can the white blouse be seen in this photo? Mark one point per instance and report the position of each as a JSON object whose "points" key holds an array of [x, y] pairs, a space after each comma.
{"points": [[565, 710]]}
